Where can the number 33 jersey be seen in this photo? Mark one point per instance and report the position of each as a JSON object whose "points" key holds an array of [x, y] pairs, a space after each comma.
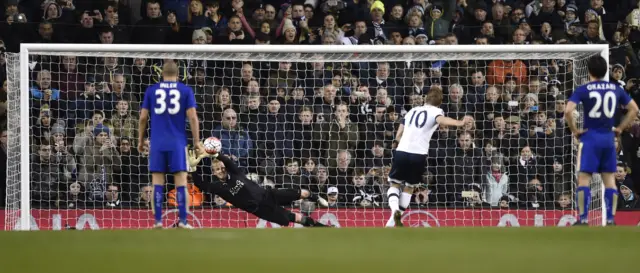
{"points": [[419, 125], [168, 103]]}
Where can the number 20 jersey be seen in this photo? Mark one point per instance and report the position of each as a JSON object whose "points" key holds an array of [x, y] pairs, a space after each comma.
{"points": [[600, 101], [419, 125], [168, 103]]}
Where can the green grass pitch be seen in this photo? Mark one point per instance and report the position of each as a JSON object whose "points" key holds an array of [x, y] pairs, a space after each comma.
{"points": [[408, 250]]}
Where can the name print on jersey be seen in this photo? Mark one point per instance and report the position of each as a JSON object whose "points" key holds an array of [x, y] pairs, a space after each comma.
{"points": [[235, 189]]}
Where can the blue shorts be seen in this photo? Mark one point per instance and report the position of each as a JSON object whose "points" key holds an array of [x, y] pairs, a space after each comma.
{"points": [[407, 168], [597, 153], [168, 160]]}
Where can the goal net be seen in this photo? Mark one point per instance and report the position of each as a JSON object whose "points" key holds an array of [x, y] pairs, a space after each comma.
{"points": [[321, 118]]}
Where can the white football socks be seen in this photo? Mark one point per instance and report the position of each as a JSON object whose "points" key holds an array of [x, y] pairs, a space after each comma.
{"points": [[405, 199], [393, 196]]}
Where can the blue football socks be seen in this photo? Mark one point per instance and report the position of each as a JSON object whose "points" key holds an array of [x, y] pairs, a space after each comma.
{"points": [[583, 197], [181, 199], [158, 193], [611, 201]]}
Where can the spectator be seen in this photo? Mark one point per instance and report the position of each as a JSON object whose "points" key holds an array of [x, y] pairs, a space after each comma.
{"points": [[629, 198], [378, 156], [559, 179], [90, 100], [124, 122], [75, 197], [43, 92], [195, 17], [153, 28], [343, 171], [378, 129], [292, 177], [112, 197], [464, 162], [235, 140], [119, 91], [362, 194], [43, 126], [563, 202], [195, 196], [299, 136], [119, 29], [235, 33], [526, 169], [320, 182], [336, 134], [99, 160], [177, 33], [70, 79], [133, 174], [439, 19], [333, 197], [534, 196], [472, 196], [46, 177], [106, 72], [497, 182], [309, 167], [621, 176], [547, 13], [143, 200], [456, 105], [214, 18]]}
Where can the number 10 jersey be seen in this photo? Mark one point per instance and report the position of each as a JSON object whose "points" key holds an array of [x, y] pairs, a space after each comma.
{"points": [[419, 126]]}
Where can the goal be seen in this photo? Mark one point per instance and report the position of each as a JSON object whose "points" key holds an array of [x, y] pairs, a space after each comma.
{"points": [[317, 117]]}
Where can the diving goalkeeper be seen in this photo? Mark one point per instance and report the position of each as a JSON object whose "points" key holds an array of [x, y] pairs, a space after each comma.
{"points": [[230, 183]]}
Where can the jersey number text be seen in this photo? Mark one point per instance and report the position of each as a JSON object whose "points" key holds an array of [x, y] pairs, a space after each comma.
{"points": [[609, 104], [420, 119], [174, 102]]}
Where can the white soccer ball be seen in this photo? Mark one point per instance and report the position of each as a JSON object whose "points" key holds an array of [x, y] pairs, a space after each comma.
{"points": [[212, 145]]}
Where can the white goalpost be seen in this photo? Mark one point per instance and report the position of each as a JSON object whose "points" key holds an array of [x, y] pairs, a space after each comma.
{"points": [[456, 186]]}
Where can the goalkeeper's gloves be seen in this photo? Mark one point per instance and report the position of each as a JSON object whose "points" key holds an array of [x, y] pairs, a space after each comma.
{"points": [[194, 159]]}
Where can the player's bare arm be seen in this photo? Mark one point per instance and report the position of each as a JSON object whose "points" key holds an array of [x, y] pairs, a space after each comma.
{"points": [[142, 128], [632, 112], [400, 131], [442, 120], [194, 124], [569, 109]]}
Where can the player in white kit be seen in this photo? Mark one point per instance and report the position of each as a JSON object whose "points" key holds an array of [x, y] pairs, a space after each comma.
{"points": [[410, 158]]}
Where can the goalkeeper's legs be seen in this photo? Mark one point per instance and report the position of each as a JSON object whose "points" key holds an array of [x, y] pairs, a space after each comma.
{"points": [[180, 179], [610, 196], [306, 220], [285, 196], [305, 194], [157, 179]]}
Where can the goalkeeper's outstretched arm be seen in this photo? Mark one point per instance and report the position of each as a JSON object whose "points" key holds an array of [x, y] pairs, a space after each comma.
{"points": [[230, 165]]}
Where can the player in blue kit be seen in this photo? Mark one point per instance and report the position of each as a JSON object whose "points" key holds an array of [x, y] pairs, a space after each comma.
{"points": [[169, 104], [596, 150]]}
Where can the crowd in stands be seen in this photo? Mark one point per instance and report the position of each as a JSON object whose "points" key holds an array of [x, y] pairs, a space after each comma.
{"points": [[329, 127]]}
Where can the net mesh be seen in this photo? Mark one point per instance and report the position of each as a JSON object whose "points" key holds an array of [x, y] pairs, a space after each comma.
{"points": [[12, 209], [323, 122]]}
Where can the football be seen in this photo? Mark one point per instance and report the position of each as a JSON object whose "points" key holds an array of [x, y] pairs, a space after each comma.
{"points": [[212, 145]]}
